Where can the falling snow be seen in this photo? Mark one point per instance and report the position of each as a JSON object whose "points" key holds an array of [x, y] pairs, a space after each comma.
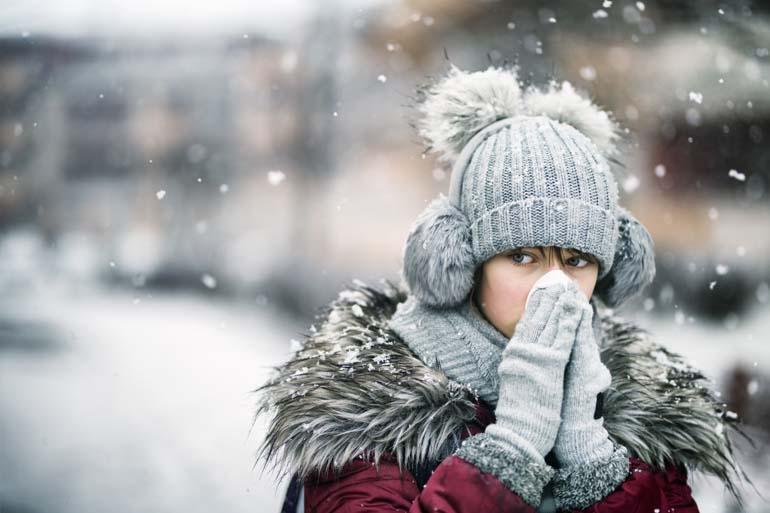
{"points": [[209, 281], [275, 177], [631, 183]]}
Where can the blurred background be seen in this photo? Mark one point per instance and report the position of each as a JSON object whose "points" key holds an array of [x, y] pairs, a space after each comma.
{"points": [[184, 185]]}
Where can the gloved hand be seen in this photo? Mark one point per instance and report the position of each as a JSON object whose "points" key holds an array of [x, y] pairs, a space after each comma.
{"points": [[532, 371], [582, 439], [591, 465], [530, 393]]}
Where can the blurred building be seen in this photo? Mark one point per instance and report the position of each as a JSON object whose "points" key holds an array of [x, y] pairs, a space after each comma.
{"points": [[284, 168]]}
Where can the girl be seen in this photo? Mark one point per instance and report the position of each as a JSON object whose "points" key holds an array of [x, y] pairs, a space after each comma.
{"points": [[496, 379]]}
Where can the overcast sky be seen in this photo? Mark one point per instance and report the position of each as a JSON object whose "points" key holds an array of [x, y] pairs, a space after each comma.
{"points": [[126, 17]]}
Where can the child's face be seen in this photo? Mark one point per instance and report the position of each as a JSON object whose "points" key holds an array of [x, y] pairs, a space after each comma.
{"points": [[507, 278]]}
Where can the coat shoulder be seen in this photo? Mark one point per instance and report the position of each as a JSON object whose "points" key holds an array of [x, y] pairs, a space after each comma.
{"points": [[662, 408], [355, 389]]}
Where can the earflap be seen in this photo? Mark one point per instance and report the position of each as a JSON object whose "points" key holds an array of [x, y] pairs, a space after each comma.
{"points": [[438, 256], [633, 267]]}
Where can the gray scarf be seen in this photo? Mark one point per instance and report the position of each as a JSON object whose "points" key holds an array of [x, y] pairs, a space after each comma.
{"points": [[459, 340]]}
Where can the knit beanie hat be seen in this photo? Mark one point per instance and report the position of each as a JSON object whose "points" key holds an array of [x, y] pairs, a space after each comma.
{"points": [[529, 168]]}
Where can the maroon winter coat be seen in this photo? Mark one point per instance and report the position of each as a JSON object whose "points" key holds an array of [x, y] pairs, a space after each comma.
{"points": [[355, 393], [457, 486]]}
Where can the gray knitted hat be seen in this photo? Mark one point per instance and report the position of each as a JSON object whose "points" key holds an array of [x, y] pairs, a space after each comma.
{"points": [[529, 168]]}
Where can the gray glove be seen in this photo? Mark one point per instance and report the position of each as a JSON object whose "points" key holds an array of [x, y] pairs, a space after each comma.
{"points": [[582, 439], [532, 371], [592, 465], [531, 388]]}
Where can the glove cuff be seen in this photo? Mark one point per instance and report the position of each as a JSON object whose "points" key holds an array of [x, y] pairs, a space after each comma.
{"points": [[580, 486], [515, 469]]}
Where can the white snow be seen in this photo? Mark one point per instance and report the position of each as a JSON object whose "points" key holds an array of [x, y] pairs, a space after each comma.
{"points": [[136, 408], [631, 183], [209, 281], [588, 73], [275, 177]]}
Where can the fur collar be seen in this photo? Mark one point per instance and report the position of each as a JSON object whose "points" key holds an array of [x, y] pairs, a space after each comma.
{"points": [[355, 387]]}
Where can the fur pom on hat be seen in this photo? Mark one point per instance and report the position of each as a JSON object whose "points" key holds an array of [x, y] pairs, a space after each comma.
{"points": [[463, 103], [563, 103]]}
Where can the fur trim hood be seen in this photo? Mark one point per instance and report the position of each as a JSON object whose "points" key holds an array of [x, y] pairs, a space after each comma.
{"points": [[355, 388]]}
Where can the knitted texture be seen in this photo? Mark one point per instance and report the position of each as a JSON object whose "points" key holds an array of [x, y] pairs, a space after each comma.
{"points": [[529, 168], [581, 486], [534, 181], [582, 439], [532, 371], [520, 474], [458, 340]]}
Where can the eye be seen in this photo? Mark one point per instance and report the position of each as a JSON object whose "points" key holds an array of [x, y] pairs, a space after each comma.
{"points": [[518, 256], [578, 258]]}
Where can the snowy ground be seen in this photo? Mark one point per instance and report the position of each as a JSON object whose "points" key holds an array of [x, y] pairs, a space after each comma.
{"points": [[108, 404], [111, 401]]}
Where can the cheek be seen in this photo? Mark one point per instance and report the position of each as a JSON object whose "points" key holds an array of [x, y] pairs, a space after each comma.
{"points": [[587, 282], [504, 300]]}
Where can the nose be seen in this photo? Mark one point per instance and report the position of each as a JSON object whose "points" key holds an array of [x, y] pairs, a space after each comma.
{"points": [[553, 260]]}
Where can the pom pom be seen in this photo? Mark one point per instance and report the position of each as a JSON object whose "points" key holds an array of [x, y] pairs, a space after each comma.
{"points": [[564, 104], [633, 267], [438, 257], [461, 104]]}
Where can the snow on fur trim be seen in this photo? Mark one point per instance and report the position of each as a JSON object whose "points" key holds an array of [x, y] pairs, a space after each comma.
{"points": [[355, 389], [633, 267], [438, 257], [462, 103], [662, 408], [561, 102]]}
